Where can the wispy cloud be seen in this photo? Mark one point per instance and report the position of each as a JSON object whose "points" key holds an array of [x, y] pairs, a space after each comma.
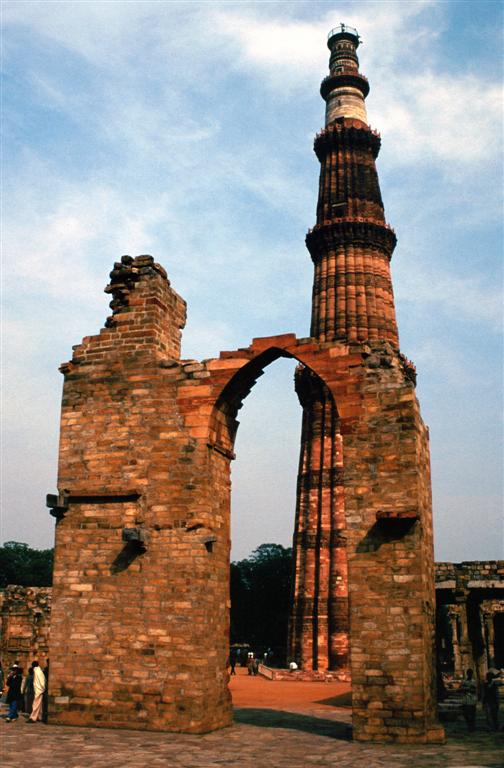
{"points": [[476, 299]]}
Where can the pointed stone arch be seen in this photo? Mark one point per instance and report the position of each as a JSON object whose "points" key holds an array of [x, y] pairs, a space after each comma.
{"points": [[319, 622]]}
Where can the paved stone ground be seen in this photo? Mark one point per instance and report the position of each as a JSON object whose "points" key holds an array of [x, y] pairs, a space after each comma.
{"points": [[299, 729]]}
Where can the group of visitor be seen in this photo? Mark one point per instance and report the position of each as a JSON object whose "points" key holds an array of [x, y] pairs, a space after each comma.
{"points": [[26, 694], [243, 657], [252, 664], [237, 656], [489, 700]]}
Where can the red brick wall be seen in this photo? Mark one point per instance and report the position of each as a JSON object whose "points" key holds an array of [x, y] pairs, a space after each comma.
{"points": [[138, 638]]}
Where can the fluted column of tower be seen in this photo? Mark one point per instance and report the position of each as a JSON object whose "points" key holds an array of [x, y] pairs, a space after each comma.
{"points": [[318, 630], [350, 246]]}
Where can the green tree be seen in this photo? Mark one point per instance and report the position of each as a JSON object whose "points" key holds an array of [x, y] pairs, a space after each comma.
{"points": [[20, 564], [260, 598]]}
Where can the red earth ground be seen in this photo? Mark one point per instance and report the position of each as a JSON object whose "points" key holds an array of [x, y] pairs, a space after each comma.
{"points": [[249, 691]]}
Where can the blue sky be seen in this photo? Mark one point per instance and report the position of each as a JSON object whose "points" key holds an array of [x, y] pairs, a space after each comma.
{"points": [[185, 130]]}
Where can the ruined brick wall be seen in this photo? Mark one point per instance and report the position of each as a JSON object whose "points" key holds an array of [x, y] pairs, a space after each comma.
{"points": [[471, 574], [140, 634], [24, 625], [135, 641], [389, 546]]}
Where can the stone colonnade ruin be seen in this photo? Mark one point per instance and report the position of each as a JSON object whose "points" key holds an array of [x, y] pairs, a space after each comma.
{"points": [[140, 617]]}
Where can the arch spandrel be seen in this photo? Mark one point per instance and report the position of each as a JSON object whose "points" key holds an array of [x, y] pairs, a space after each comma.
{"points": [[231, 376]]}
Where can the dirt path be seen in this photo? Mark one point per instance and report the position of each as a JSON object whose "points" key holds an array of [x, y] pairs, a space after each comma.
{"points": [[248, 691]]}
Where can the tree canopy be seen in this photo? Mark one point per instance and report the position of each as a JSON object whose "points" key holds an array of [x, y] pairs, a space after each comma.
{"points": [[260, 598], [20, 564]]}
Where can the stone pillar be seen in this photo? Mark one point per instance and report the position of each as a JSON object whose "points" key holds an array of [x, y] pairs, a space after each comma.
{"points": [[489, 638], [453, 614], [465, 646]]}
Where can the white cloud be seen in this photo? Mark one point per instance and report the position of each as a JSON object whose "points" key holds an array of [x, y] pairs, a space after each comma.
{"points": [[435, 117], [429, 114], [475, 299], [106, 33], [52, 245]]}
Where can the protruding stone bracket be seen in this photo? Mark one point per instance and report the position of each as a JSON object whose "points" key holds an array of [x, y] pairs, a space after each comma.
{"points": [[135, 537], [59, 504]]}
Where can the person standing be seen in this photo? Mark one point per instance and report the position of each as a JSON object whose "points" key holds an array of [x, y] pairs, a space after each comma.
{"points": [[14, 681], [45, 697], [28, 691], [39, 685], [468, 687], [490, 701]]}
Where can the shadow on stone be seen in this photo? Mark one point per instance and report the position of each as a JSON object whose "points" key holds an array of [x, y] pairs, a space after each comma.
{"points": [[272, 718], [379, 534], [128, 553]]}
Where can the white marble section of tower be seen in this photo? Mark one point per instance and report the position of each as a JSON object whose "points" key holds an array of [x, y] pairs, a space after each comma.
{"points": [[345, 89]]}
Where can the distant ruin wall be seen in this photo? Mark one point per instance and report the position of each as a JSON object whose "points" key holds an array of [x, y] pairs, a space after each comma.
{"points": [[470, 574], [25, 622], [470, 616]]}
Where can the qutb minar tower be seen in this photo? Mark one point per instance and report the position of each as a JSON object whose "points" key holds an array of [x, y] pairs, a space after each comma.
{"points": [[351, 247]]}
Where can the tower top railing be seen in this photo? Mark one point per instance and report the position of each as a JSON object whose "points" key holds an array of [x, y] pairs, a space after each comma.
{"points": [[343, 29]]}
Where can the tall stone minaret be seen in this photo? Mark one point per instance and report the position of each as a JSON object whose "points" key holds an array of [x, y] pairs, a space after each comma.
{"points": [[351, 246]]}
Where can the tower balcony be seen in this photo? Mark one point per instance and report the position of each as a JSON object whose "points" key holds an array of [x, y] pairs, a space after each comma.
{"points": [[341, 77]]}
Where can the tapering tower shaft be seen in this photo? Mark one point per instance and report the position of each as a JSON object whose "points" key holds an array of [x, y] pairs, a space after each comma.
{"points": [[350, 245], [353, 302]]}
